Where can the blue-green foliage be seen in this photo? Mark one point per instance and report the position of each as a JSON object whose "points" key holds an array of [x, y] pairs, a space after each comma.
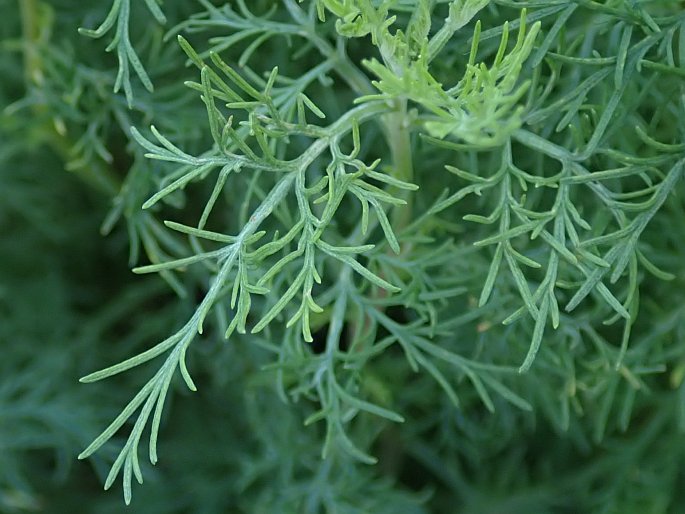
{"points": [[388, 256]]}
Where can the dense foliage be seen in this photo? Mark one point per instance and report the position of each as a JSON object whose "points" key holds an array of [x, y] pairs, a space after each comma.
{"points": [[389, 256]]}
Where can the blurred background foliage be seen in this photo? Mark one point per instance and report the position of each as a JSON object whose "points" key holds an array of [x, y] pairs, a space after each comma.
{"points": [[71, 186]]}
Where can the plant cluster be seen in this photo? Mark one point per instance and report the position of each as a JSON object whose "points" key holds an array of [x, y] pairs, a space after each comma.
{"points": [[408, 255]]}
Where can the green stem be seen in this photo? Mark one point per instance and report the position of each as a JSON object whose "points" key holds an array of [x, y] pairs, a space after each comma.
{"points": [[31, 34], [398, 133]]}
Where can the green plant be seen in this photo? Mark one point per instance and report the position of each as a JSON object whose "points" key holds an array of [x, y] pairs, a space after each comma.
{"points": [[413, 234]]}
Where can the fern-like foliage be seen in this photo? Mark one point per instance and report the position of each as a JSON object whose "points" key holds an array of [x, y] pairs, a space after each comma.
{"points": [[272, 267], [397, 189], [119, 15]]}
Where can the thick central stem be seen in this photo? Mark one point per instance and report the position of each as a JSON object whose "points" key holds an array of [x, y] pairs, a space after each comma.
{"points": [[397, 125]]}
